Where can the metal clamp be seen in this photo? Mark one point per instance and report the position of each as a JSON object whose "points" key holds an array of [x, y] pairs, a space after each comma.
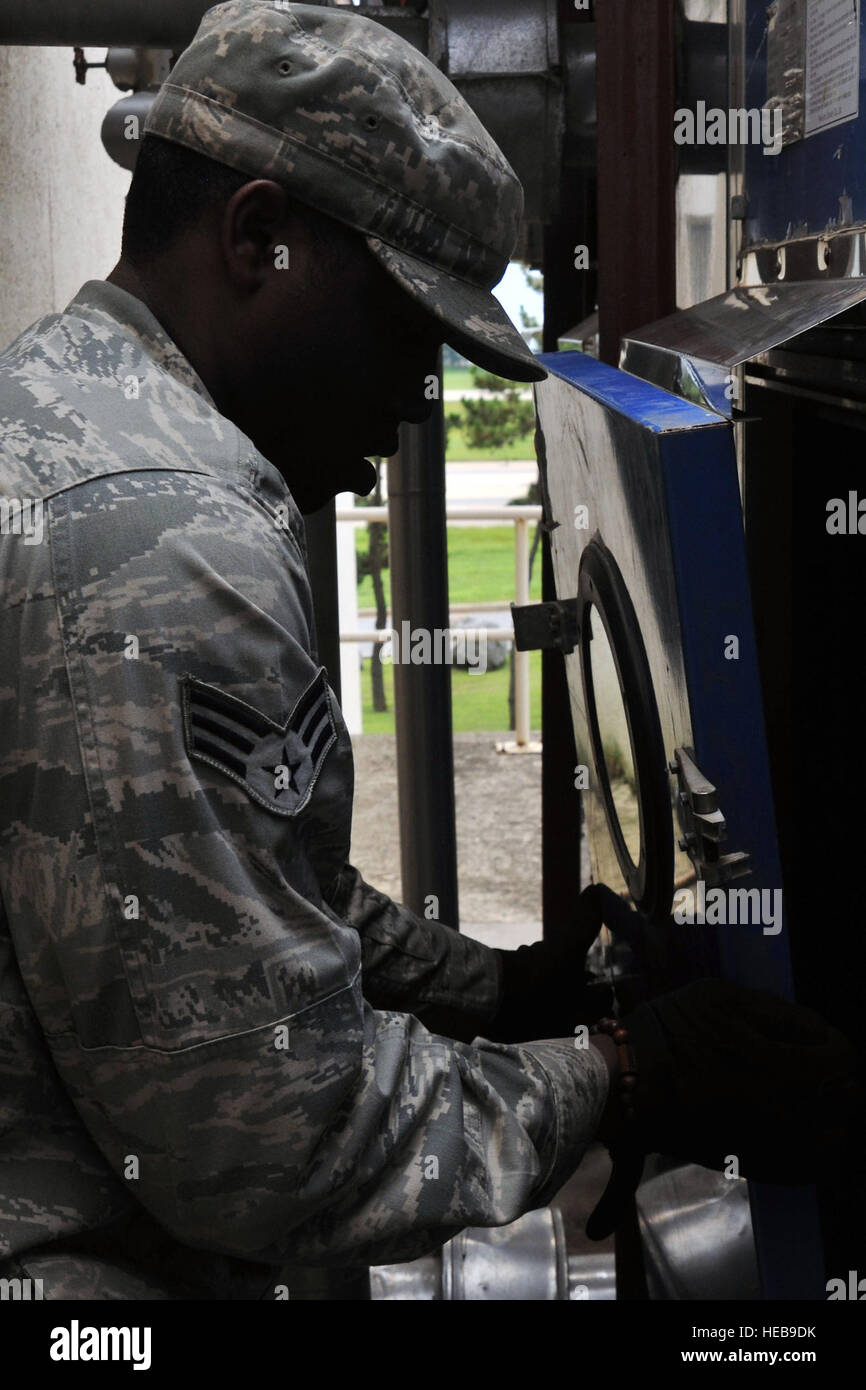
{"points": [[703, 824]]}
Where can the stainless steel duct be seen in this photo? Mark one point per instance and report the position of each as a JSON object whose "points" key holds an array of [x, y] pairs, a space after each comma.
{"points": [[697, 1235], [508, 69], [525, 1262]]}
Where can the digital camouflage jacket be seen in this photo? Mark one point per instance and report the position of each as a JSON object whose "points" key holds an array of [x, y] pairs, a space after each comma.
{"points": [[218, 1053]]}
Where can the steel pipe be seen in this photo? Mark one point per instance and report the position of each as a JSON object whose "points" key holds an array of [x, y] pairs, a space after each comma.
{"points": [[422, 694], [101, 23], [144, 23]]}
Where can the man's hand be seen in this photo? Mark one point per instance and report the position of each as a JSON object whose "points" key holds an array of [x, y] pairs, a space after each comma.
{"points": [[546, 991], [725, 1072]]}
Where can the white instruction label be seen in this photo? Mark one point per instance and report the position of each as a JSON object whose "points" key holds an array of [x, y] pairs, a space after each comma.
{"points": [[832, 63]]}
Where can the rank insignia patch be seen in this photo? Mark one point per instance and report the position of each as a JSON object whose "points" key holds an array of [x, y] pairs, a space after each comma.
{"points": [[277, 764]]}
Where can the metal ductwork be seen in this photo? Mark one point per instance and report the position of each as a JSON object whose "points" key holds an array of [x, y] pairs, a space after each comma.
{"points": [[529, 77], [525, 1262]]}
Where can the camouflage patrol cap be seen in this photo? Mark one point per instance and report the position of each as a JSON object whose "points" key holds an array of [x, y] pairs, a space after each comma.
{"points": [[357, 123]]}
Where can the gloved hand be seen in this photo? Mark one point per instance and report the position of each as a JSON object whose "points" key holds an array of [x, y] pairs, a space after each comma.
{"points": [[722, 1070], [546, 989]]}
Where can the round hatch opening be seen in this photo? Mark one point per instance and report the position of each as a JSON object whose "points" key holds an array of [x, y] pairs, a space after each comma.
{"points": [[625, 732]]}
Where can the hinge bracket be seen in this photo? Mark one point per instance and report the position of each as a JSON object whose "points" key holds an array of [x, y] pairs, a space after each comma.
{"points": [[539, 626]]}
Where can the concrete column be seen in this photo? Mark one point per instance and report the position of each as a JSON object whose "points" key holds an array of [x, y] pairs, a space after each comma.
{"points": [[61, 197]]}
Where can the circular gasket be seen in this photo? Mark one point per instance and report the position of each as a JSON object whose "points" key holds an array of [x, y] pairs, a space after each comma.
{"points": [[602, 587]]}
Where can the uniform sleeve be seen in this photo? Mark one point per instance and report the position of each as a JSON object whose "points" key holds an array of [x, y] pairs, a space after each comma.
{"points": [[201, 995], [448, 980]]}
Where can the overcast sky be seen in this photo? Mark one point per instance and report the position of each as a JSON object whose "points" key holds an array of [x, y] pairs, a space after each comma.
{"points": [[512, 291]]}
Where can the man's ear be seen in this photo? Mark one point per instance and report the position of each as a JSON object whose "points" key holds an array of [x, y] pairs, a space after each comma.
{"points": [[261, 233]]}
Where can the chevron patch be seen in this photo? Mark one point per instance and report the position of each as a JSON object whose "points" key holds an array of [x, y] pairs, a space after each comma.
{"points": [[276, 764]]}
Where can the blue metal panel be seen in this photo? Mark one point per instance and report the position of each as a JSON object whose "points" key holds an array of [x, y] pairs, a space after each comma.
{"points": [[709, 559], [659, 476], [801, 190], [649, 406], [697, 468]]}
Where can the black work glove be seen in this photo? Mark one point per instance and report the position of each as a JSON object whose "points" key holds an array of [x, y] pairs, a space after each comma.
{"points": [[546, 989], [723, 1070]]}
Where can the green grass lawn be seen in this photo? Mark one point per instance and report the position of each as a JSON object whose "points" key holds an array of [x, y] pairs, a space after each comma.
{"points": [[478, 702], [480, 565], [480, 569]]}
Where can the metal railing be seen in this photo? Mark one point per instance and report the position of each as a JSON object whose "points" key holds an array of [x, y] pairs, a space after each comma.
{"points": [[518, 516]]}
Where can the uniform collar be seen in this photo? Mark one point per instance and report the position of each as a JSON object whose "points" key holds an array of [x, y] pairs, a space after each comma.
{"points": [[121, 307]]}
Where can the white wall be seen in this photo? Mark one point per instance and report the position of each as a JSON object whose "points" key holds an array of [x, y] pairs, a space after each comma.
{"points": [[61, 197]]}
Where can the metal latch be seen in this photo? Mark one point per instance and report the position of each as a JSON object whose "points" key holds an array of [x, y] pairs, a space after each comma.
{"points": [[702, 823], [542, 625]]}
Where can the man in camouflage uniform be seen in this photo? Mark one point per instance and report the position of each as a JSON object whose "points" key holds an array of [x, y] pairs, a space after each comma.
{"points": [[208, 1063], [222, 1054]]}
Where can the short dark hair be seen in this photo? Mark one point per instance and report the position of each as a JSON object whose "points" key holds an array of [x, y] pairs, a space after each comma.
{"points": [[171, 187]]}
